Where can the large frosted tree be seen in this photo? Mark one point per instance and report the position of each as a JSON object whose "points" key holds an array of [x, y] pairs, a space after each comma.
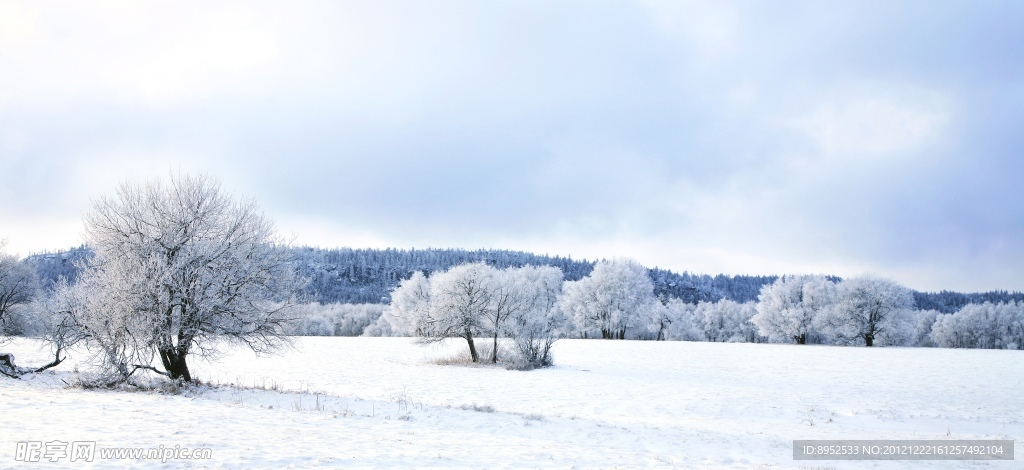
{"points": [[618, 295], [787, 308], [868, 308], [180, 268], [459, 300]]}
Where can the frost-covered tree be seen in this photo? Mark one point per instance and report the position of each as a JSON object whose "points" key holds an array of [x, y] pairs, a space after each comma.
{"points": [[869, 308], [1011, 325], [511, 293], [786, 309], [678, 318], [473, 299], [459, 300], [922, 322], [614, 298], [18, 286], [536, 324], [727, 321], [984, 326], [410, 304], [660, 320], [179, 269]]}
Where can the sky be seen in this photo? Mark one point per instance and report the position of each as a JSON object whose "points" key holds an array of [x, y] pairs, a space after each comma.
{"points": [[712, 137]]}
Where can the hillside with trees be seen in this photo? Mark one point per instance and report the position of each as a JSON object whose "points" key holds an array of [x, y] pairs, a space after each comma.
{"points": [[362, 276]]}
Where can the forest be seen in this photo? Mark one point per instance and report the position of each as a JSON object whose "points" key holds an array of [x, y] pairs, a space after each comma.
{"points": [[367, 276]]}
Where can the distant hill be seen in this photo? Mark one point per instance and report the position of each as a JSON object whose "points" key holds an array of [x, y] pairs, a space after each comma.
{"points": [[346, 275], [368, 275]]}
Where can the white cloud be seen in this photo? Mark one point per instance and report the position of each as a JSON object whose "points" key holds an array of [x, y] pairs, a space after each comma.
{"points": [[710, 28], [130, 53], [861, 126]]}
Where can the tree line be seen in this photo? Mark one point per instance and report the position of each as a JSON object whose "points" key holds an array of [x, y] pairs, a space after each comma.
{"points": [[617, 301], [368, 276], [174, 270]]}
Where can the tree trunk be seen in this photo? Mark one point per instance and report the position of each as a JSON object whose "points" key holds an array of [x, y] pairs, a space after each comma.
{"points": [[869, 340], [175, 364], [7, 366], [494, 353], [472, 347], [801, 339]]}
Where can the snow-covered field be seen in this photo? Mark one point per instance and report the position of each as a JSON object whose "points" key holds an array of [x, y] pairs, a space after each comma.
{"points": [[384, 402]]}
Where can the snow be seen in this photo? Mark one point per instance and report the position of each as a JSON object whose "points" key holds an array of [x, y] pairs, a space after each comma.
{"points": [[386, 402]]}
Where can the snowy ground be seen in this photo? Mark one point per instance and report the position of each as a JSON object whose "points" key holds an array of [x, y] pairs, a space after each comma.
{"points": [[383, 402]]}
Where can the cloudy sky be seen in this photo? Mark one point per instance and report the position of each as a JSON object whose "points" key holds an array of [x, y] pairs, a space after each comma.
{"points": [[715, 137]]}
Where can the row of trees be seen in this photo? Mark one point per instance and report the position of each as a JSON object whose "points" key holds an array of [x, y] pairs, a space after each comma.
{"points": [[472, 300], [988, 325], [864, 308], [617, 301]]}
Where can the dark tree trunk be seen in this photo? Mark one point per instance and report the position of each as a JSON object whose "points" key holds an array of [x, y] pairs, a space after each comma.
{"points": [[7, 366], [175, 364], [801, 339], [472, 347], [869, 340], [494, 353]]}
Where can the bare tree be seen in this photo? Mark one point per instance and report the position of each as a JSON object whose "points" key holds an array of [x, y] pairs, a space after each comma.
{"points": [[179, 269]]}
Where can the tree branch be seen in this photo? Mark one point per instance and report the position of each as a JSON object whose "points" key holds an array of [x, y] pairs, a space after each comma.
{"points": [[140, 366]]}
